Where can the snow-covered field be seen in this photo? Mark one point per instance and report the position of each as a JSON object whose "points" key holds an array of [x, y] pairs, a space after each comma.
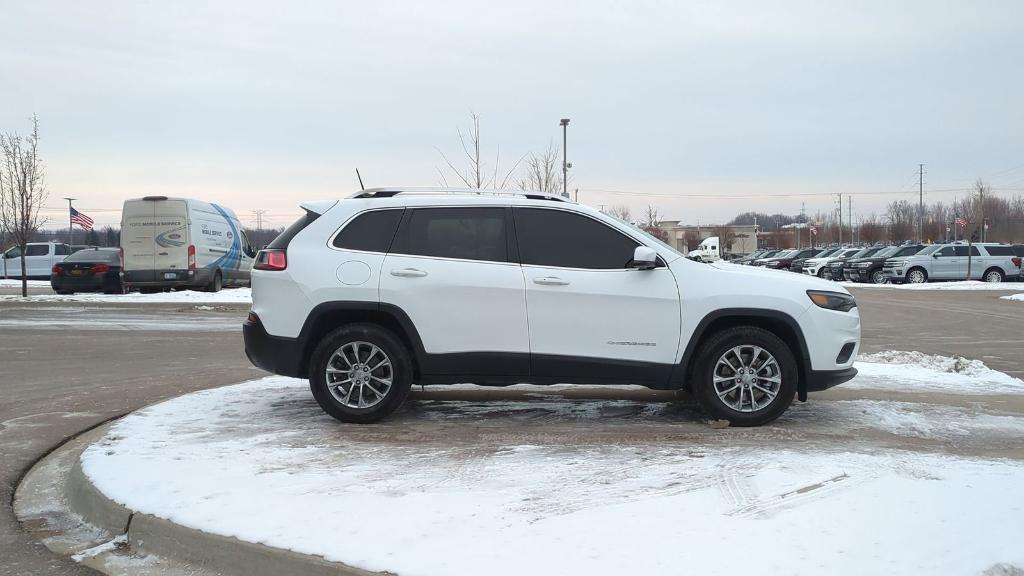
{"points": [[542, 490], [226, 296], [8, 283], [955, 285], [1017, 297], [918, 372]]}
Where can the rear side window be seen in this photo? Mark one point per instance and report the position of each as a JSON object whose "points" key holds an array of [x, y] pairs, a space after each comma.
{"points": [[999, 250], [370, 231], [462, 233], [284, 238], [568, 240], [962, 251], [62, 250]]}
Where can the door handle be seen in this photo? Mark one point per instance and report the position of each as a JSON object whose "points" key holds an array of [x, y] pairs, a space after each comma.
{"points": [[408, 273], [551, 281]]}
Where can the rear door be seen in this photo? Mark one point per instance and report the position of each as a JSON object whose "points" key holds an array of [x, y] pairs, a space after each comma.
{"points": [[170, 235], [451, 271], [591, 316], [978, 264]]}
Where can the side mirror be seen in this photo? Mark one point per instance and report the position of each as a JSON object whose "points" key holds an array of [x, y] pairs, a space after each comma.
{"points": [[935, 254], [644, 258]]}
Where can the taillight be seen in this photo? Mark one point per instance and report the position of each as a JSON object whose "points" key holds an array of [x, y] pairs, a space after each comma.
{"points": [[191, 257], [100, 269], [1016, 261], [271, 260], [57, 269], [120, 255]]}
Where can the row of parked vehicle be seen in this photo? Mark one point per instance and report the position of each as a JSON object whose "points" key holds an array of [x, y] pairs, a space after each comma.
{"points": [[910, 263]]}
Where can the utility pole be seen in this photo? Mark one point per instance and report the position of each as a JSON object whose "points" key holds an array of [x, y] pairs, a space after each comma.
{"points": [[840, 219], [259, 219], [71, 225], [920, 203], [981, 212], [564, 123]]}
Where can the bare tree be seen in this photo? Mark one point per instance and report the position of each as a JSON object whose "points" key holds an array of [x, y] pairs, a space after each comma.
{"points": [[620, 211], [476, 173], [543, 171], [22, 190], [651, 219]]}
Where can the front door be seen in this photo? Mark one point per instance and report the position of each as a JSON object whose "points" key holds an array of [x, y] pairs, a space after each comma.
{"points": [[450, 271], [591, 316], [946, 265]]}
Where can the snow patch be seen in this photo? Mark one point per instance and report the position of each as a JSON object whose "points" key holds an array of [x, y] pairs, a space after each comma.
{"points": [[918, 372], [261, 462], [1017, 297], [11, 283]]}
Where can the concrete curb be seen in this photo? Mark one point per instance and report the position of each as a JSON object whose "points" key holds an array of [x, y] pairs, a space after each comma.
{"points": [[56, 493]]}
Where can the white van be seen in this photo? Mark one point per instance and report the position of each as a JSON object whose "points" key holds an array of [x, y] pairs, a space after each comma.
{"points": [[40, 258], [180, 242], [707, 251]]}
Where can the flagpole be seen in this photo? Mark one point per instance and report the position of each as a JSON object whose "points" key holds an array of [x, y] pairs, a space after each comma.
{"points": [[71, 224]]}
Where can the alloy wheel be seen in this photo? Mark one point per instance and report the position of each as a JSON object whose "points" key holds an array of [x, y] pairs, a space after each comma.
{"points": [[359, 374], [747, 378]]}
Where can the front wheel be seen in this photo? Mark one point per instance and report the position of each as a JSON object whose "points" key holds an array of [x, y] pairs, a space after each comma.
{"points": [[878, 277], [360, 373], [746, 375], [917, 276]]}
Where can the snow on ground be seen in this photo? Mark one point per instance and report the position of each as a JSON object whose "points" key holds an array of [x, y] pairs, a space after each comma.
{"points": [[259, 461], [955, 285], [9, 283], [226, 296], [919, 372], [1017, 297]]}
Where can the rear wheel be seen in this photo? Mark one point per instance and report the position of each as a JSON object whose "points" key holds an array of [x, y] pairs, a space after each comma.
{"points": [[746, 375], [216, 284], [993, 275], [917, 276], [360, 373], [878, 277]]}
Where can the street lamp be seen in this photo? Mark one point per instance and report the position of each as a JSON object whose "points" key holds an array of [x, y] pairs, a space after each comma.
{"points": [[71, 224], [564, 123]]}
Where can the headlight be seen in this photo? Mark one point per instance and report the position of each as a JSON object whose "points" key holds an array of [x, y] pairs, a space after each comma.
{"points": [[864, 265], [772, 264], [832, 300]]}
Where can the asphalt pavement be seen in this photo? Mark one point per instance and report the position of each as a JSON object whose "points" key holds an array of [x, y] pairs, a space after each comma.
{"points": [[68, 368]]}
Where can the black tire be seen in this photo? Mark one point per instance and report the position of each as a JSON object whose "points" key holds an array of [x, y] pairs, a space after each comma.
{"points": [[993, 275], [879, 277], [718, 344], [65, 292], [924, 275], [401, 372], [216, 284]]}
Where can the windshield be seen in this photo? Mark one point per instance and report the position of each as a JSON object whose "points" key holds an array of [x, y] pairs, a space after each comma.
{"points": [[929, 249], [828, 252], [785, 254], [887, 252]]}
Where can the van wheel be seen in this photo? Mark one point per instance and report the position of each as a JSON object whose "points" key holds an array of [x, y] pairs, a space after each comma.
{"points": [[216, 284], [746, 375], [993, 275], [360, 373]]}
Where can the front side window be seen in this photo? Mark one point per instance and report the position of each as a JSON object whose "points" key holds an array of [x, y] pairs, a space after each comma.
{"points": [[567, 240], [37, 250], [370, 231], [947, 252], [13, 252], [462, 233]]}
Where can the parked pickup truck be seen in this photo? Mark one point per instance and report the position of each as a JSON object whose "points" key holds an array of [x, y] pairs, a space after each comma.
{"points": [[39, 260], [989, 262]]}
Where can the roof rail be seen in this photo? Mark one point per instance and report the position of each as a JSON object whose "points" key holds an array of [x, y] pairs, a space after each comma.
{"points": [[390, 192]]}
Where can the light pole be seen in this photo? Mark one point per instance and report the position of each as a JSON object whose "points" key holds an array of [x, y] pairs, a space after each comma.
{"points": [[564, 123], [71, 225]]}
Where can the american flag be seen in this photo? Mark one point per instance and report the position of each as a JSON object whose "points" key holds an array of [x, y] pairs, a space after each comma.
{"points": [[961, 222], [81, 219]]}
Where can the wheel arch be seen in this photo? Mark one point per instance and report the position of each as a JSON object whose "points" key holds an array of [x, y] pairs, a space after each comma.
{"points": [[779, 323], [331, 315]]}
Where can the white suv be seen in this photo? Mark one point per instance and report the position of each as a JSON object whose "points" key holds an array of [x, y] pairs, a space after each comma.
{"points": [[390, 287]]}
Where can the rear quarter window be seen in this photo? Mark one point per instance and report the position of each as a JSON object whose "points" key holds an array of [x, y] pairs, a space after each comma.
{"points": [[370, 231], [999, 250]]}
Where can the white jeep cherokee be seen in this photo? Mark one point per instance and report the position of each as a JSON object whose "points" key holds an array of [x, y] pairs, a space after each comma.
{"points": [[390, 287]]}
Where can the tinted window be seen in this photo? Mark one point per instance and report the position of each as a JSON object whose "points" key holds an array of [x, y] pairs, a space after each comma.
{"points": [[908, 251], [948, 251], [37, 250], [999, 250], [88, 255], [13, 252], [61, 250], [962, 251], [285, 237], [567, 240], [370, 231], [464, 233]]}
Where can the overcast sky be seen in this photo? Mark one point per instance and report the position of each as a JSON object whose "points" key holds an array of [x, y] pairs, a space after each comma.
{"points": [[266, 104]]}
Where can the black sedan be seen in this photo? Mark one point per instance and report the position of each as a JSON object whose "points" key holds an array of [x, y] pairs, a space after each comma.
{"points": [[89, 270]]}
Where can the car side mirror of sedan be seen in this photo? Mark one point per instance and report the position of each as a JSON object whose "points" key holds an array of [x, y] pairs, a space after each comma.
{"points": [[644, 258]]}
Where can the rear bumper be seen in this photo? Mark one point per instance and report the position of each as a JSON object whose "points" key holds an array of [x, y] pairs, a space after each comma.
{"points": [[818, 380], [272, 353], [156, 278]]}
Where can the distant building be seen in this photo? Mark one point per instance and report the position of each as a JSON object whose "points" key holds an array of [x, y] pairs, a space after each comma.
{"points": [[734, 238]]}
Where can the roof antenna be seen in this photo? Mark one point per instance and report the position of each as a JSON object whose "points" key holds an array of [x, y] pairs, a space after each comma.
{"points": [[361, 187]]}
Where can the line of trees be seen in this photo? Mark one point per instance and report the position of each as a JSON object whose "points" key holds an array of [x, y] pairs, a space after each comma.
{"points": [[22, 190]]}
